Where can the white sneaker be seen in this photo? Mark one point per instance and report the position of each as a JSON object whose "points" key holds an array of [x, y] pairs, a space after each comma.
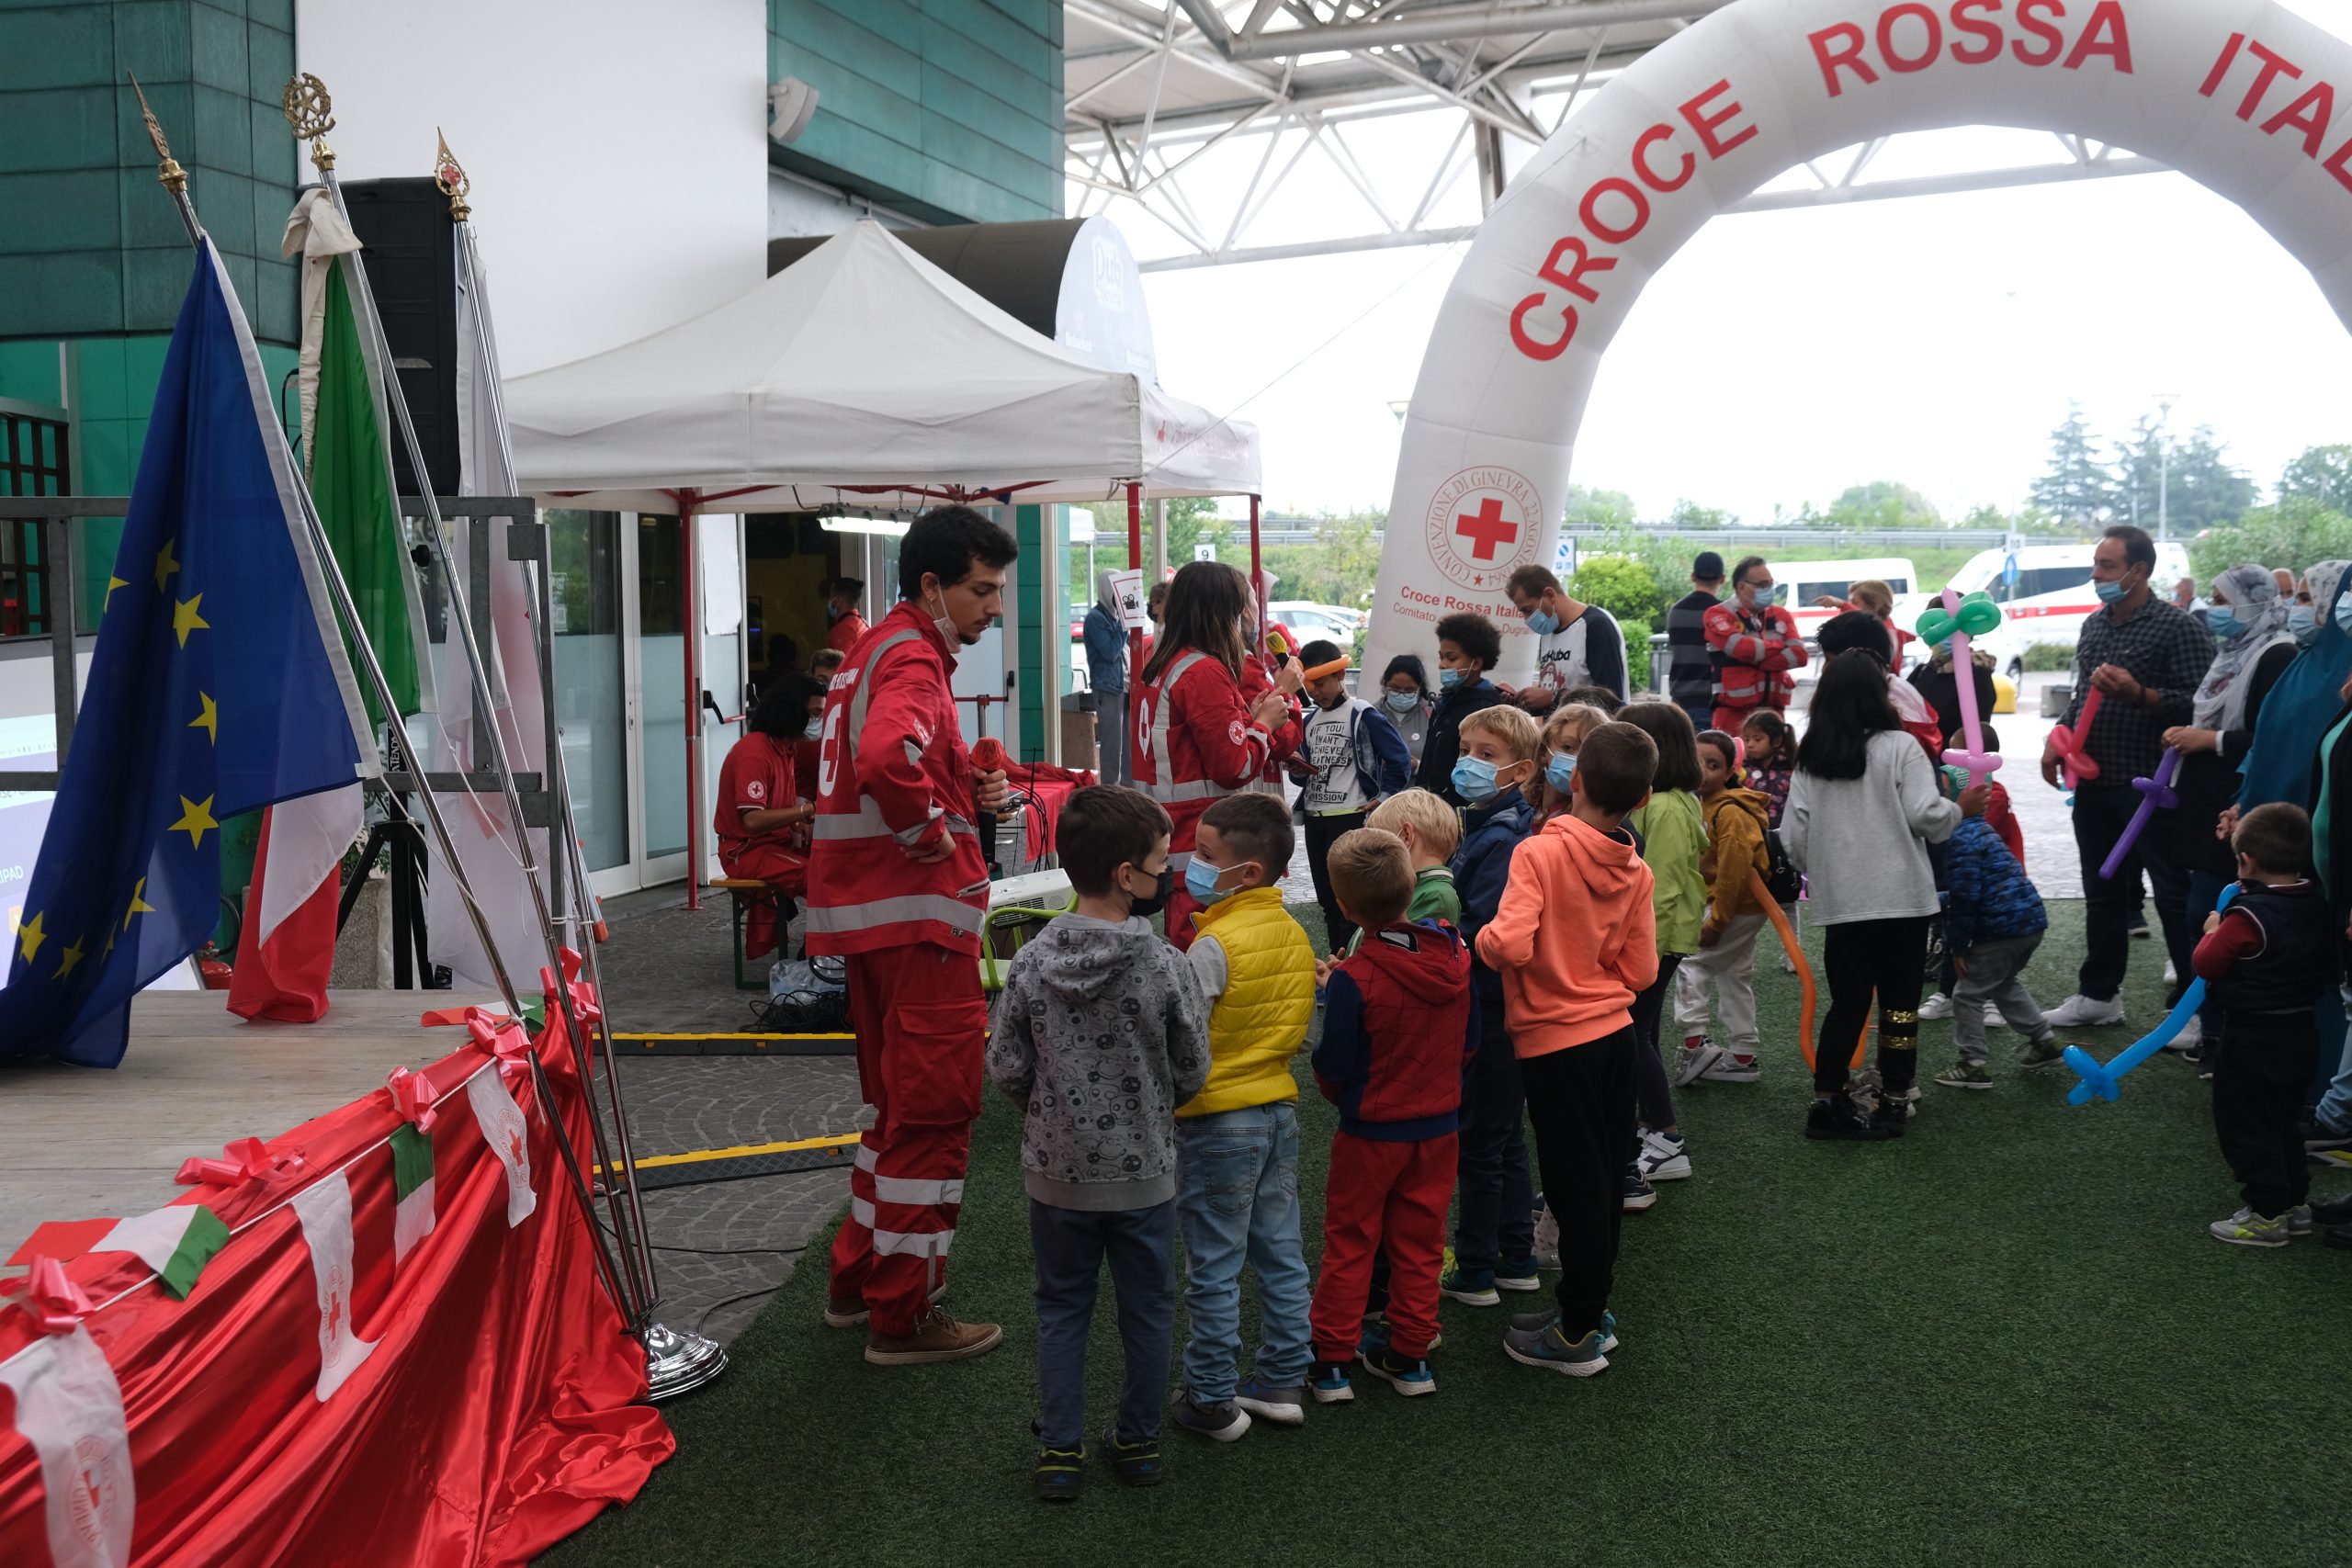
{"points": [[1935, 1007], [1691, 1061], [2079, 1011], [1730, 1068], [2172, 975], [1663, 1158], [1993, 1019], [2191, 1033]]}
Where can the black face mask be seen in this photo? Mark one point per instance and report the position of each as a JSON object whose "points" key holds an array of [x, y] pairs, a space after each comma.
{"points": [[1147, 908]]}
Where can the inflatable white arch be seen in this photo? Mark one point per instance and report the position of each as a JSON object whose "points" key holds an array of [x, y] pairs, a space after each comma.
{"points": [[2241, 96]]}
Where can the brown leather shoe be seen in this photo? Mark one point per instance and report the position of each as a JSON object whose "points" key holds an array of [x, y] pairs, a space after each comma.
{"points": [[937, 1337]]}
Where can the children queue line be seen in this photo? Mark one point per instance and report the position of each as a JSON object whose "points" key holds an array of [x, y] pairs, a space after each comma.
{"points": [[1510, 966]]}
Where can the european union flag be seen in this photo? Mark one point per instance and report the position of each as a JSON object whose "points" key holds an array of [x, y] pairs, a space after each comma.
{"points": [[219, 687]]}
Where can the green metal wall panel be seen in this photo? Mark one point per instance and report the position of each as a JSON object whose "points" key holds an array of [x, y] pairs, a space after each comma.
{"points": [[92, 244], [949, 108]]}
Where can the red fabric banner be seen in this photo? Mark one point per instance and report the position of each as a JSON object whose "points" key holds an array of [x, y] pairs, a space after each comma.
{"points": [[480, 1396]]}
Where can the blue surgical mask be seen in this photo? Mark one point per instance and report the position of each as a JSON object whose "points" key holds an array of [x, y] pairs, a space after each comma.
{"points": [[2223, 622], [1543, 623], [2108, 592], [2344, 612], [1448, 679], [1403, 702], [2303, 621], [1200, 881], [1473, 781], [1559, 770]]}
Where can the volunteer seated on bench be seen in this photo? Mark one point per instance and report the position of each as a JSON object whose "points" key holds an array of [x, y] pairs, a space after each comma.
{"points": [[763, 823]]}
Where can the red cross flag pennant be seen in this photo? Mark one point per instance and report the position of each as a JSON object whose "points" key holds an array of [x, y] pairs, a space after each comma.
{"points": [[324, 1210]]}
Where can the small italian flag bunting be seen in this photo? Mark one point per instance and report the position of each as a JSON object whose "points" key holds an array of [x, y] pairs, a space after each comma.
{"points": [[413, 1190], [176, 1242]]}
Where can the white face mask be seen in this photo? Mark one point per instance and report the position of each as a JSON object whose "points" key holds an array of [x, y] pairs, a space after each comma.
{"points": [[946, 625]]}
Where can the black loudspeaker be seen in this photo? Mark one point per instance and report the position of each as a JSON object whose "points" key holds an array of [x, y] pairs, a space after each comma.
{"points": [[411, 252]]}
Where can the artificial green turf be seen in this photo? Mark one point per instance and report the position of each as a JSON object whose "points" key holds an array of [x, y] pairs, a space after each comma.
{"points": [[2003, 1339]]}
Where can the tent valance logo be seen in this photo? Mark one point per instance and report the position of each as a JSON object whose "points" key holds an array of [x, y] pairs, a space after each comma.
{"points": [[1482, 526]]}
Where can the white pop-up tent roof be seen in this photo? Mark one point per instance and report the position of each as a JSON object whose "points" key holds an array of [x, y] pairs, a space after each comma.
{"points": [[861, 368]]}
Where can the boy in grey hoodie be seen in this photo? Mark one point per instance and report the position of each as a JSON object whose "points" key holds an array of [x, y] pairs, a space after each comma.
{"points": [[1101, 1034]]}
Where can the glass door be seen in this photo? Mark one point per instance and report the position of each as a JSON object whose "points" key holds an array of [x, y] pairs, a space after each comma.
{"points": [[657, 576], [592, 696]]}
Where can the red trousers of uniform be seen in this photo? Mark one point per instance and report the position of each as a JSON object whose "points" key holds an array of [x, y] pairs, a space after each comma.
{"points": [[922, 1026], [1390, 1196], [785, 870]]}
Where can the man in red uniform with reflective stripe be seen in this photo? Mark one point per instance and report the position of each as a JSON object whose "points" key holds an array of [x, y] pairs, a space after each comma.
{"points": [[900, 887]]}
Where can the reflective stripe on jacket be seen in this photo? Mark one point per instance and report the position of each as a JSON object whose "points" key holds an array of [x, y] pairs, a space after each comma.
{"points": [[893, 775]]}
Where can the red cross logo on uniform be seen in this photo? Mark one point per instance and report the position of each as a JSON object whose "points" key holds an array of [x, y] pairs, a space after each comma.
{"points": [[1485, 529]]}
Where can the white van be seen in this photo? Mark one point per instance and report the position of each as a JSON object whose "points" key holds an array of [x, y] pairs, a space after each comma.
{"points": [[2046, 595], [1797, 583]]}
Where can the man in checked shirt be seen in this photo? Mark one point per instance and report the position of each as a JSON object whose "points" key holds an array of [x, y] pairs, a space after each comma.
{"points": [[2148, 655]]}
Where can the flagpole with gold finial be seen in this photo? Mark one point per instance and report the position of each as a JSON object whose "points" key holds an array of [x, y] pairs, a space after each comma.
{"points": [[310, 111], [174, 179], [676, 1361]]}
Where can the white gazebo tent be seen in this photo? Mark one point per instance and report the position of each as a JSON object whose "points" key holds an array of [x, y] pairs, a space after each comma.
{"points": [[861, 375]]}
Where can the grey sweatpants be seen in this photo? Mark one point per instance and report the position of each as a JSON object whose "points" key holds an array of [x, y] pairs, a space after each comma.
{"points": [[1995, 971]]}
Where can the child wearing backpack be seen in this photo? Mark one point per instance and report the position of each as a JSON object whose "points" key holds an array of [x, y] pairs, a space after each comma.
{"points": [[1726, 957]]}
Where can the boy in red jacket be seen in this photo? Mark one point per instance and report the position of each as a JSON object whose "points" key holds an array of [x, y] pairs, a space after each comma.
{"points": [[1574, 942], [1399, 1030]]}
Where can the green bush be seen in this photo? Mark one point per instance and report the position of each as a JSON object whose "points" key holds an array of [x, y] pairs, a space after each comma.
{"points": [[2293, 533], [1624, 587], [2050, 658]]}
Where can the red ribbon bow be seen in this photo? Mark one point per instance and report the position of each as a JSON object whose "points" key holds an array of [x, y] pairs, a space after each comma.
{"points": [[585, 1006], [412, 1096], [57, 1304], [247, 1160], [501, 1035]]}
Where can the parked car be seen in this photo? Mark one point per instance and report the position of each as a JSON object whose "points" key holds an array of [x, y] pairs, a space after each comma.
{"points": [[2046, 596]]}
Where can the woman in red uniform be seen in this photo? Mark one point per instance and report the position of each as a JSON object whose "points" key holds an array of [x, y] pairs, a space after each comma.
{"points": [[763, 819], [1197, 738]]}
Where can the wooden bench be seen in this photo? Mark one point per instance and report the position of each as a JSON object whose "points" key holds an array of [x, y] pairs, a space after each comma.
{"points": [[742, 893]]}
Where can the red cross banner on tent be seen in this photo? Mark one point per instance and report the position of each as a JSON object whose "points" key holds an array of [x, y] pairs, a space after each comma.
{"points": [[394, 1277]]}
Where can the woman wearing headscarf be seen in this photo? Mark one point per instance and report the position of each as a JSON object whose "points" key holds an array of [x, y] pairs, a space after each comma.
{"points": [[1106, 673], [2253, 624]]}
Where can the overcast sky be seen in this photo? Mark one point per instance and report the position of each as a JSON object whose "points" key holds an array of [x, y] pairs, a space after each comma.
{"points": [[1984, 314]]}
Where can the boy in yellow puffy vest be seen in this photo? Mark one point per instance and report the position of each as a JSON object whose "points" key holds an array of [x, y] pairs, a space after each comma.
{"points": [[1237, 1141]]}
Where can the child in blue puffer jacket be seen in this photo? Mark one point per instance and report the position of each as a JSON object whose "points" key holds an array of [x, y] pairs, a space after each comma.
{"points": [[1992, 923]]}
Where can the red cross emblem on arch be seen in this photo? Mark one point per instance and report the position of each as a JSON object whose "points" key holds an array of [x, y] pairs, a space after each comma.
{"points": [[1488, 532]]}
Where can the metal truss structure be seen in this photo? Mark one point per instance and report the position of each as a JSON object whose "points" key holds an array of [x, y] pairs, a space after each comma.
{"points": [[1173, 105]]}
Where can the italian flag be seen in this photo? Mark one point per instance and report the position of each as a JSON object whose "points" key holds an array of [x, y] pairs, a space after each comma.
{"points": [[287, 950], [176, 1242], [412, 1189]]}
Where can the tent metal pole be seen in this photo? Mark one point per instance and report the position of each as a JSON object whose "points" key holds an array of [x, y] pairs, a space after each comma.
{"points": [[1135, 557], [1258, 579], [692, 630]]}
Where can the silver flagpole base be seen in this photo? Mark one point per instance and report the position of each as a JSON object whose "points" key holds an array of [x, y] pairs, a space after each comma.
{"points": [[678, 1363]]}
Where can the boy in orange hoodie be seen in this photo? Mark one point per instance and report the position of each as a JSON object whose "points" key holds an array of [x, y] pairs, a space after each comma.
{"points": [[1574, 942]]}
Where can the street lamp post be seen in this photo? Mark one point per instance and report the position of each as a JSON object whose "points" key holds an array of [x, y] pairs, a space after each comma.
{"points": [[2163, 466]]}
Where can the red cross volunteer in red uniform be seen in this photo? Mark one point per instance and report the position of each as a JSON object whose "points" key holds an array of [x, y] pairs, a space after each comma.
{"points": [[899, 888], [1202, 732], [761, 821]]}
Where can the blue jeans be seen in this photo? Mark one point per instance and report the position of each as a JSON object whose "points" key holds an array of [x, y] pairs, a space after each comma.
{"points": [[1070, 1245], [2335, 1104], [1237, 1199]]}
